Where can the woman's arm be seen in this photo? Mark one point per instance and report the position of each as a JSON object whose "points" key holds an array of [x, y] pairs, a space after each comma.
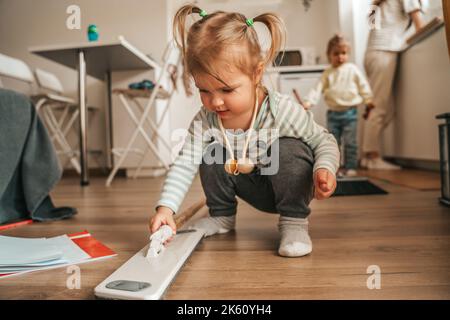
{"points": [[416, 17]]}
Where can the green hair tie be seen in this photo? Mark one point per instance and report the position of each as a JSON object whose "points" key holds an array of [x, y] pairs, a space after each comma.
{"points": [[203, 13], [249, 22]]}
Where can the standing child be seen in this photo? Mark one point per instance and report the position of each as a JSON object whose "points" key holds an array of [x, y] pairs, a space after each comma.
{"points": [[344, 88], [222, 54]]}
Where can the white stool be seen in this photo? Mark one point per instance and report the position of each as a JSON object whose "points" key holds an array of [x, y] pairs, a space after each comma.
{"points": [[140, 114]]}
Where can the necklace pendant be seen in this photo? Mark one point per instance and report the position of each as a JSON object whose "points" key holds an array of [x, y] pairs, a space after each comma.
{"points": [[231, 166]]}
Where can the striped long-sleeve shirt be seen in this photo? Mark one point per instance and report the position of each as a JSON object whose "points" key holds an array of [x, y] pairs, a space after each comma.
{"points": [[279, 114]]}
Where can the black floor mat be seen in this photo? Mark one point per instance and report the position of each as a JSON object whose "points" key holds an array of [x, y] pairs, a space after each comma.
{"points": [[357, 186]]}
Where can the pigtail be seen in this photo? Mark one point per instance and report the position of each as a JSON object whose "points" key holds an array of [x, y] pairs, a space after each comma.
{"points": [[277, 32], [180, 32], [179, 25]]}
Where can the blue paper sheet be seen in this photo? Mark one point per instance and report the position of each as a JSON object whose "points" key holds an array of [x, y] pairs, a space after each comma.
{"points": [[21, 254]]}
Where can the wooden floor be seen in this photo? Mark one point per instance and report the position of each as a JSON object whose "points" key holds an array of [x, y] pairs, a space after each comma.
{"points": [[405, 233], [416, 179]]}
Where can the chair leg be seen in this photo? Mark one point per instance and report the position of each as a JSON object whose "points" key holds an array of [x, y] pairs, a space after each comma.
{"points": [[155, 133], [63, 117], [139, 128], [53, 123], [149, 141], [155, 128], [66, 130]]}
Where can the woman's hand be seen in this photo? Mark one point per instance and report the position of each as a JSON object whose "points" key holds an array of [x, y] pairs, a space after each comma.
{"points": [[369, 108], [324, 184]]}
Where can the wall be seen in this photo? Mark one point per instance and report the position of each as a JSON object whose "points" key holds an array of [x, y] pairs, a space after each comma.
{"points": [[360, 31], [304, 28]]}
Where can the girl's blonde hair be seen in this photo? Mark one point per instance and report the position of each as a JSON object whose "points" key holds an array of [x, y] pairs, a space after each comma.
{"points": [[228, 36], [336, 41]]}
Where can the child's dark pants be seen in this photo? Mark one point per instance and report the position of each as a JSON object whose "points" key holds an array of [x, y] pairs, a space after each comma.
{"points": [[287, 192]]}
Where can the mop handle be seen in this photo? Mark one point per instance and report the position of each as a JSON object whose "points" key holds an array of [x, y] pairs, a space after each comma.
{"points": [[184, 216], [297, 96]]}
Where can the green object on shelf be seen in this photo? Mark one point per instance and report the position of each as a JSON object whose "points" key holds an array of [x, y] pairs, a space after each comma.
{"points": [[92, 32]]}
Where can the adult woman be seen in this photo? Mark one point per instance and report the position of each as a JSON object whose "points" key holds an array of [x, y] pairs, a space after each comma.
{"points": [[392, 20]]}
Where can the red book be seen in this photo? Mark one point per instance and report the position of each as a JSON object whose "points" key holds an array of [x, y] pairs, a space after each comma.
{"points": [[15, 224], [91, 246]]}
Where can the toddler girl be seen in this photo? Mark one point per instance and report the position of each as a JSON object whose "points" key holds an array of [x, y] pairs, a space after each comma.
{"points": [[344, 88], [245, 141]]}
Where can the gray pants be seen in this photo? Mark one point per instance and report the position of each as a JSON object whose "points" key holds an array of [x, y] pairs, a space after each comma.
{"points": [[288, 192]]}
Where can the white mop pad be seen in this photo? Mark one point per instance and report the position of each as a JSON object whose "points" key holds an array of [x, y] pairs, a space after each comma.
{"points": [[157, 240]]}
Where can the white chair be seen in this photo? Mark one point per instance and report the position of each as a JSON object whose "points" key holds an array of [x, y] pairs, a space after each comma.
{"points": [[140, 113], [49, 102], [53, 99], [17, 69]]}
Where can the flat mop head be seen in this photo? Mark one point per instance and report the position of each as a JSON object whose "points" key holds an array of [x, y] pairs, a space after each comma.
{"points": [[142, 278], [148, 274]]}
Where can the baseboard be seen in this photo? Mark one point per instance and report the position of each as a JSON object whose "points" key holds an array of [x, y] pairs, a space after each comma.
{"points": [[124, 173], [93, 172], [429, 165], [147, 172]]}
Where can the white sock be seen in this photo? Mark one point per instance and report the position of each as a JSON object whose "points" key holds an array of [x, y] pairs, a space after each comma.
{"points": [[295, 240], [214, 225]]}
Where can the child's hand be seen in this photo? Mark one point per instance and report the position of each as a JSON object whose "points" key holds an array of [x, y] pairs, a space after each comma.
{"points": [[324, 184], [369, 108], [163, 216]]}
